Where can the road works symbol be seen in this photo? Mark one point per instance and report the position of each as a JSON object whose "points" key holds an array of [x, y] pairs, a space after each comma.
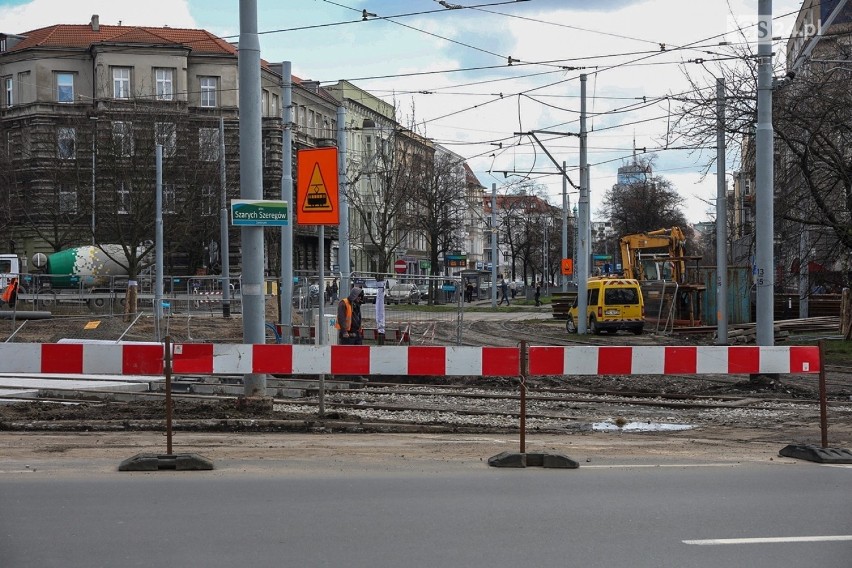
{"points": [[317, 187]]}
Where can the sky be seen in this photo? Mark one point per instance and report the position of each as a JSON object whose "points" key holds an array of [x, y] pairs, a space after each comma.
{"points": [[447, 70]]}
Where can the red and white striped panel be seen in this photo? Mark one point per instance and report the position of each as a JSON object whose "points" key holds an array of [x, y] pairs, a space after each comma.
{"points": [[208, 358], [356, 360], [655, 360]]}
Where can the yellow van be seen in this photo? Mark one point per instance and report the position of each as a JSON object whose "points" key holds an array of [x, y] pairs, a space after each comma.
{"points": [[613, 304]]}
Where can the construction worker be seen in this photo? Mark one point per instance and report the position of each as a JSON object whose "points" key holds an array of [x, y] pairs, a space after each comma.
{"points": [[10, 294], [348, 322]]}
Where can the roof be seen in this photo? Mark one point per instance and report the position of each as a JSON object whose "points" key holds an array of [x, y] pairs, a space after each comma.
{"points": [[83, 36]]}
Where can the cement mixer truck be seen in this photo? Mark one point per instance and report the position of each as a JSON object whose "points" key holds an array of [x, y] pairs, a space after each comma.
{"points": [[85, 273]]}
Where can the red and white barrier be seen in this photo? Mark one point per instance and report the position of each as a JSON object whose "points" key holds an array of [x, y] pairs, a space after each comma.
{"points": [[208, 358]]}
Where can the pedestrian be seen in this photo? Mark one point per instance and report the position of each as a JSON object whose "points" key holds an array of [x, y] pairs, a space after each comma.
{"points": [[334, 290], [513, 288], [538, 293], [348, 322], [10, 294], [504, 289]]}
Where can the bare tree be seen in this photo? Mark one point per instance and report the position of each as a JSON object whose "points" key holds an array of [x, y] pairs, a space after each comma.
{"points": [[437, 207], [814, 174], [644, 206], [380, 187]]}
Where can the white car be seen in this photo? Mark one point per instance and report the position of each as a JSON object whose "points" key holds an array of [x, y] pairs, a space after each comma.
{"points": [[371, 291]]}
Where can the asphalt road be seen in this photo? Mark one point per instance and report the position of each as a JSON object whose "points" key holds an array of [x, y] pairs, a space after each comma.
{"points": [[659, 513]]}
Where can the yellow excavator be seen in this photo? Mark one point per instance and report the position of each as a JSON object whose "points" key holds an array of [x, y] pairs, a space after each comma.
{"points": [[657, 259], [655, 255]]}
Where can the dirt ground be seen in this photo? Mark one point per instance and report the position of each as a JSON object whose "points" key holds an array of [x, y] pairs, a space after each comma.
{"points": [[101, 435]]}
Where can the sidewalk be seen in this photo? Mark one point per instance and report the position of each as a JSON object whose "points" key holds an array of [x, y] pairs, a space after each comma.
{"points": [[331, 454]]}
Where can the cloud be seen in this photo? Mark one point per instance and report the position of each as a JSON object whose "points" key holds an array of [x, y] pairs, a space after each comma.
{"points": [[41, 13]]}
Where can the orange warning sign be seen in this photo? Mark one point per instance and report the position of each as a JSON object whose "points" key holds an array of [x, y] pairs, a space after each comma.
{"points": [[316, 188]]}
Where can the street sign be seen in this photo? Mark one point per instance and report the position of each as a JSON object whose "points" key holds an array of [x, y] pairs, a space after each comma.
{"points": [[257, 212], [400, 266], [317, 187], [567, 266]]}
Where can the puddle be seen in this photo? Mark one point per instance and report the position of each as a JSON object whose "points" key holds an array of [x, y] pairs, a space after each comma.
{"points": [[640, 427]]}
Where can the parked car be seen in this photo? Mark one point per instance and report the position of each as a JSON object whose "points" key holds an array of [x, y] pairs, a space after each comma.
{"points": [[424, 292], [371, 291], [403, 294]]}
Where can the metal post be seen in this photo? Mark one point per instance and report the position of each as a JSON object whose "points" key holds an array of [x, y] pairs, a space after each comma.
{"points": [[721, 220], [523, 413], [764, 220], [224, 244], [320, 336], [823, 399], [582, 262], [168, 370], [94, 154], [804, 272], [251, 187], [565, 204], [343, 227], [493, 245], [158, 244], [285, 293]]}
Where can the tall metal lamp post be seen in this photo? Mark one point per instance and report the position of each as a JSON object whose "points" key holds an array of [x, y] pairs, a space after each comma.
{"points": [[94, 154]]}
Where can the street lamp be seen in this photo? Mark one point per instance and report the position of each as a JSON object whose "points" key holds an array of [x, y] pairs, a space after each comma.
{"points": [[94, 153]]}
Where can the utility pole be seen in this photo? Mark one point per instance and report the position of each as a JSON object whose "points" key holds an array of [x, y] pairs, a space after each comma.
{"points": [[721, 220], [286, 292], [343, 186], [251, 187], [493, 245], [582, 262], [225, 245], [564, 226], [764, 276]]}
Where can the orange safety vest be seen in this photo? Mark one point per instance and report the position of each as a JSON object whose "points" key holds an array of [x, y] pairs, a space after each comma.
{"points": [[348, 307], [9, 291], [347, 322]]}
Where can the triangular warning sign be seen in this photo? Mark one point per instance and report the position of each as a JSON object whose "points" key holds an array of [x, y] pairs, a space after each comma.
{"points": [[316, 197]]}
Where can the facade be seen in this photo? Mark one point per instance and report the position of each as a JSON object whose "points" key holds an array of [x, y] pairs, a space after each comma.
{"points": [[85, 106], [84, 109]]}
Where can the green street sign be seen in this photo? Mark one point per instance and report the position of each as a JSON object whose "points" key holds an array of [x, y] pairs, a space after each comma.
{"points": [[425, 265], [254, 213]]}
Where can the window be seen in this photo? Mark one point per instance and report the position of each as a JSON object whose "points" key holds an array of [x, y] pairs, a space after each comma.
{"points": [[122, 138], [163, 79], [24, 87], [165, 134], [274, 110], [65, 87], [208, 144], [122, 197], [121, 82], [208, 91], [66, 146], [209, 201], [67, 199], [169, 198], [264, 103], [7, 88]]}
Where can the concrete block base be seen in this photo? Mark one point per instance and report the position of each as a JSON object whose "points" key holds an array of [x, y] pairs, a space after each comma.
{"points": [[517, 459], [817, 453], [155, 462]]}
